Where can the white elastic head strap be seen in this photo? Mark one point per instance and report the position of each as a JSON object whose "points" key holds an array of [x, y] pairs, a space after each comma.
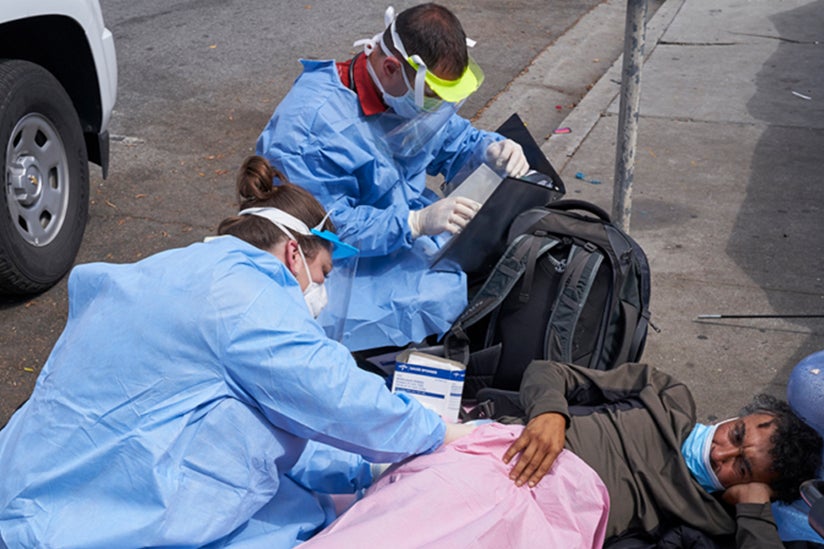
{"points": [[420, 73], [282, 220], [369, 44]]}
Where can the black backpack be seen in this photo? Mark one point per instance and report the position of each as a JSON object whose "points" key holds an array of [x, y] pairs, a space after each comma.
{"points": [[570, 287]]}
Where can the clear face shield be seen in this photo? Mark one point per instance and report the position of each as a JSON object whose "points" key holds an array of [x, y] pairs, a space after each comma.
{"points": [[406, 137], [338, 287], [441, 90], [415, 118]]}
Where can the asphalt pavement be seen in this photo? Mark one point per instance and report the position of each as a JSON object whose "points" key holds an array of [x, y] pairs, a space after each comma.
{"points": [[727, 194]]}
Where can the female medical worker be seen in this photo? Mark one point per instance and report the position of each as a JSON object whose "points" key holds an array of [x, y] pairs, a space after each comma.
{"points": [[185, 387]]}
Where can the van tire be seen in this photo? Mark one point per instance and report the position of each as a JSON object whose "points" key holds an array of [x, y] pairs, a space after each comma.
{"points": [[44, 198]]}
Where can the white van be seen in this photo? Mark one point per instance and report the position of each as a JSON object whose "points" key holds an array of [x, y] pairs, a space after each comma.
{"points": [[58, 84]]}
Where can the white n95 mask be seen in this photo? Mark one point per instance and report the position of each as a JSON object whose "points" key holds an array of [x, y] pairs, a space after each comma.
{"points": [[314, 294]]}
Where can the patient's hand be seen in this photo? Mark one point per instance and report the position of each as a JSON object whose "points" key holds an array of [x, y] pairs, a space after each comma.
{"points": [[752, 492], [539, 444]]}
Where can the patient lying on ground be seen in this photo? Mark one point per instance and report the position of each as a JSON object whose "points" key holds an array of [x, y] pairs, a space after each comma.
{"points": [[633, 470]]}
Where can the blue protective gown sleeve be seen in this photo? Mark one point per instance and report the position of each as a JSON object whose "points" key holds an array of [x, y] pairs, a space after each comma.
{"points": [[328, 397], [326, 469], [463, 148], [321, 141]]}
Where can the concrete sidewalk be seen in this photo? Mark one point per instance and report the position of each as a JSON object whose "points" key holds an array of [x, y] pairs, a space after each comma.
{"points": [[728, 197]]}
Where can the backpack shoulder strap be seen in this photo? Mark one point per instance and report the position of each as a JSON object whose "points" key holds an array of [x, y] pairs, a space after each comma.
{"points": [[510, 267], [540, 245], [573, 292]]}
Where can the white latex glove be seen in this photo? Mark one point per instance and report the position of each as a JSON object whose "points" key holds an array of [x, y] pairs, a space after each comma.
{"points": [[447, 214], [507, 157], [454, 431]]}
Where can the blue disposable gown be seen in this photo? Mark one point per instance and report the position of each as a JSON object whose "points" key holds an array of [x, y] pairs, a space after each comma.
{"points": [[176, 403], [320, 139]]}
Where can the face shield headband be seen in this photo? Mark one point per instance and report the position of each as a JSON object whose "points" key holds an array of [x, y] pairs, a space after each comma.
{"points": [[451, 91], [285, 221]]}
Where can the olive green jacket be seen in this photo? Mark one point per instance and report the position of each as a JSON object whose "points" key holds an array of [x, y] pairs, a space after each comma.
{"points": [[628, 424]]}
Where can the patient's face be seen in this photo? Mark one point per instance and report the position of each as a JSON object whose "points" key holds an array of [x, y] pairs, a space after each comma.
{"points": [[740, 450]]}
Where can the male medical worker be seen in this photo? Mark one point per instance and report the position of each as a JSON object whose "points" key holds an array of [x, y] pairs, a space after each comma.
{"points": [[362, 135]]}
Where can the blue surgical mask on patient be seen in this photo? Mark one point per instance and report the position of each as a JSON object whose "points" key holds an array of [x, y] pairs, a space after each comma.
{"points": [[696, 452]]}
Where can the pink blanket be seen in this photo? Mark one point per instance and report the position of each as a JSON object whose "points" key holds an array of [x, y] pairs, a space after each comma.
{"points": [[461, 496]]}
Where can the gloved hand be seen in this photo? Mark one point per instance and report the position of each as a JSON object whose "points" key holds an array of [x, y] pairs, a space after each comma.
{"points": [[447, 214], [507, 157], [454, 431]]}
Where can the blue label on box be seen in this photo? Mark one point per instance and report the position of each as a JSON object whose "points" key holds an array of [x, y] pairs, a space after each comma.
{"points": [[454, 375]]}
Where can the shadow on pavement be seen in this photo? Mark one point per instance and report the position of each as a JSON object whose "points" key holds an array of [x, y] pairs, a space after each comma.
{"points": [[778, 237]]}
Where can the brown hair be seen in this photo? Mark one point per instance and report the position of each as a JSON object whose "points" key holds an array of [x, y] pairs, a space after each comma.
{"points": [[259, 185], [435, 33]]}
